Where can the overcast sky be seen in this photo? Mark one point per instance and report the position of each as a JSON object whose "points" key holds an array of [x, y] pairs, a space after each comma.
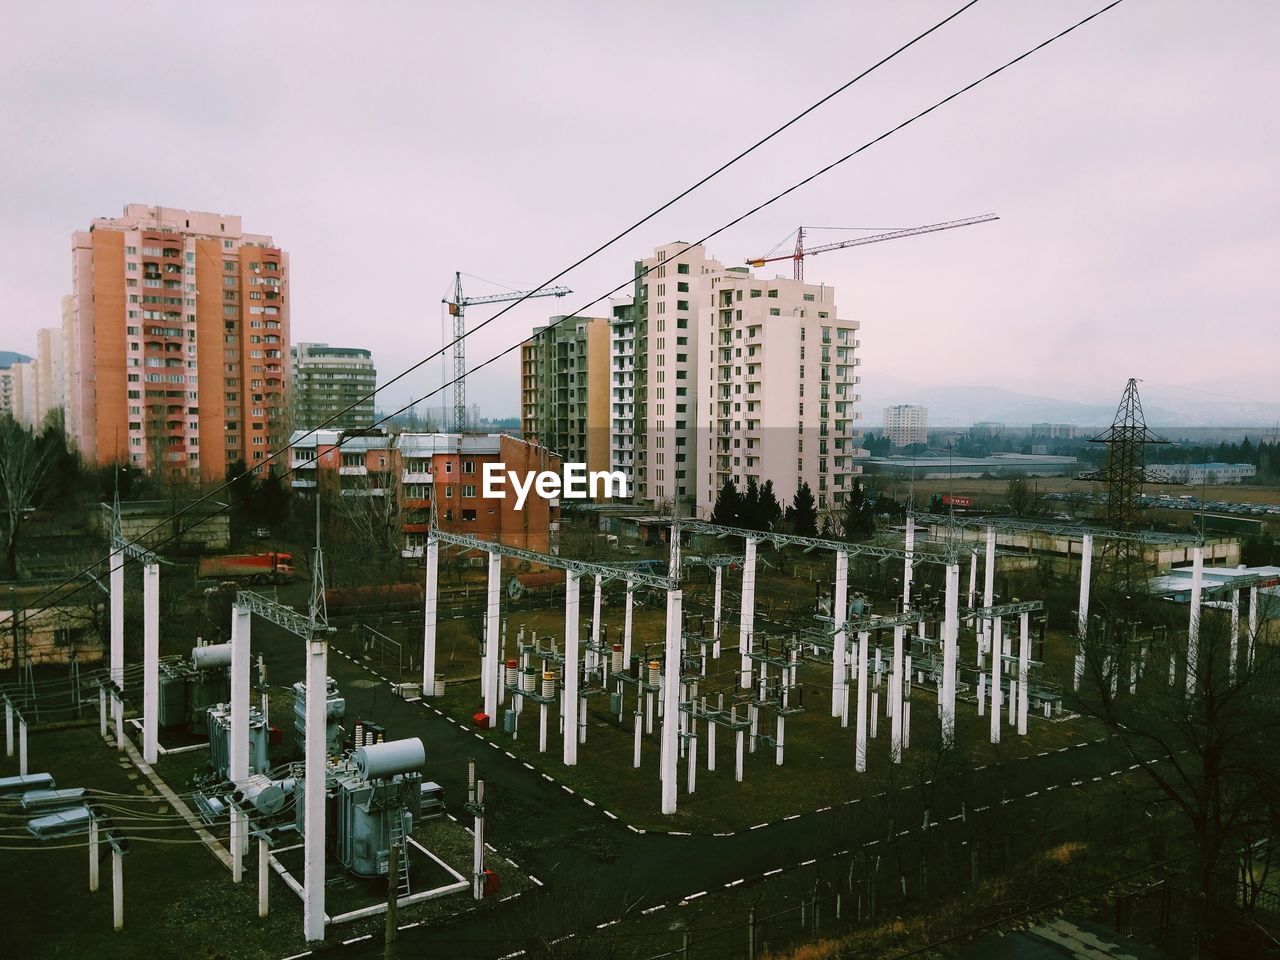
{"points": [[385, 145]]}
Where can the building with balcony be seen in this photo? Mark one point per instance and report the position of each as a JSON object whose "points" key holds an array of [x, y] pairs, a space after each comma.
{"points": [[777, 389], [906, 424], [412, 473], [564, 389], [175, 343], [332, 386]]}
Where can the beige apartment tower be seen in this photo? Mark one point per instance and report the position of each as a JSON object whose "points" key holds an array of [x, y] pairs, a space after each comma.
{"points": [[564, 389], [906, 424], [176, 343], [778, 390]]}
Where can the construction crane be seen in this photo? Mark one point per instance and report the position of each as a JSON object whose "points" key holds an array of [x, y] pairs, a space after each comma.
{"points": [[801, 252], [457, 310]]}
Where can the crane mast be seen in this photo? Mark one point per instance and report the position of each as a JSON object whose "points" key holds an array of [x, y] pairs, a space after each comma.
{"points": [[801, 252], [457, 309]]}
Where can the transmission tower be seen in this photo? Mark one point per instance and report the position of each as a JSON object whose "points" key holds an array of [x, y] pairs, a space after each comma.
{"points": [[1124, 472]]}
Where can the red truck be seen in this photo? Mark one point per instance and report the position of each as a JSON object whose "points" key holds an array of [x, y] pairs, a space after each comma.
{"points": [[248, 567]]}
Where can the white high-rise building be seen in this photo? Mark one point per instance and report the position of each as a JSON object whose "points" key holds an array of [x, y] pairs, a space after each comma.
{"points": [[906, 423], [654, 374], [777, 389]]}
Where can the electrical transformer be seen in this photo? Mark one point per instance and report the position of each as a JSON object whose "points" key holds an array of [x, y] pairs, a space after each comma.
{"points": [[188, 690], [220, 740], [335, 710], [373, 796]]}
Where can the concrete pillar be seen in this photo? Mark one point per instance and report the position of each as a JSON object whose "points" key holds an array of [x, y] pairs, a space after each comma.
{"points": [[671, 696], [910, 548], [151, 662], [950, 634], [93, 854], [117, 618], [22, 746], [571, 667], [313, 791], [430, 616], [988, 593], [238, 825], [738, 736], [117, 708], [477, 859], [973, 577], [715, 615], [691, 775], [117, 887], [747, 617], [626, 626], [8, 727], [839, 689], [102, 718], [1024, 667], [492, 672], [997, 667], [594, 655], [711, 747], [860, 752], [238, 767], [264, 873], [1082, 614], [1193, 627], [895, 697]]}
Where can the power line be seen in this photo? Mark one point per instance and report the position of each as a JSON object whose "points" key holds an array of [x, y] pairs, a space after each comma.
{"points": [[577, 263], [714, 233]]}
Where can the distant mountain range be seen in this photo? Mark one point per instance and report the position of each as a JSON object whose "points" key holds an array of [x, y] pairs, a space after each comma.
{"points": [[964, 406], [8, 358]]}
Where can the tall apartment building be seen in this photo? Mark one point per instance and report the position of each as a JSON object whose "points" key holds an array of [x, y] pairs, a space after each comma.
{"points": [[11, 373], [329, 380], [177, 340], [906, 423], [50, 374], [777, 389], [654, 374], [564, 389], [401, 475]]}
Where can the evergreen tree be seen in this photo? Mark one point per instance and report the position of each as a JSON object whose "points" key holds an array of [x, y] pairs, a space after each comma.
{"points": [[859, 519], [802, 515], [751, 506], [728, 509], [770, 508]]}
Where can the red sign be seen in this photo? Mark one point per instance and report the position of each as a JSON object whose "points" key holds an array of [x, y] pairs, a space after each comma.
{"points": [[950, 501]]}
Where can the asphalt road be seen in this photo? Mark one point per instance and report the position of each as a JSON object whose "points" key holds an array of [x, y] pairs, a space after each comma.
{"points": [[599, 865]]}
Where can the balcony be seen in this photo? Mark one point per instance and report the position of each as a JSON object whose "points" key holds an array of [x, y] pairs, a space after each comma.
{"points": [[353, 471], [415, 476]]}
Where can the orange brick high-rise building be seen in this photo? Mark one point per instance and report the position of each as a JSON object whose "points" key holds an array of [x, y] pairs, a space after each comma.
{"points": [[177, 343]]}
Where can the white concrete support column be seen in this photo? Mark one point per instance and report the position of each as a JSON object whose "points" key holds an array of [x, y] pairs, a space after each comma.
{"points": [[988, 593], [264, 873], [738, 734], [910, 548], [715, 613], [238, 766], [626, 628], [1252, 640], [117, 708], [997, 667], [691, 755], [1193, 626], [102, 717], [491, 675], [117, 618], [973, 577], [239, 821], [1235, 635], [542, 728], [22, 746], [637, 729], [671, 699], [860, 751], [1024, 667], [572, 667], [477, 858], [1082, 609], [93, 854], [313, 792], [950, 633], [747, 617], [8, 725], [430, 617], [839, 688], [117, 887], [151, 662], [895, 697], [711, 747], [594, 654]]}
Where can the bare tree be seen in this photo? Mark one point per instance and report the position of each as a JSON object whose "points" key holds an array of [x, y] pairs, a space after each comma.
{"points": [[24, 463]]}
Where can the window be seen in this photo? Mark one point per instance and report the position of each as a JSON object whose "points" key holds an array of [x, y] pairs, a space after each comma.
{"points": [[469, 492], [773, 294], [469, 514], [469, 466], [808, 296], [448, 491], [682, 268]]}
